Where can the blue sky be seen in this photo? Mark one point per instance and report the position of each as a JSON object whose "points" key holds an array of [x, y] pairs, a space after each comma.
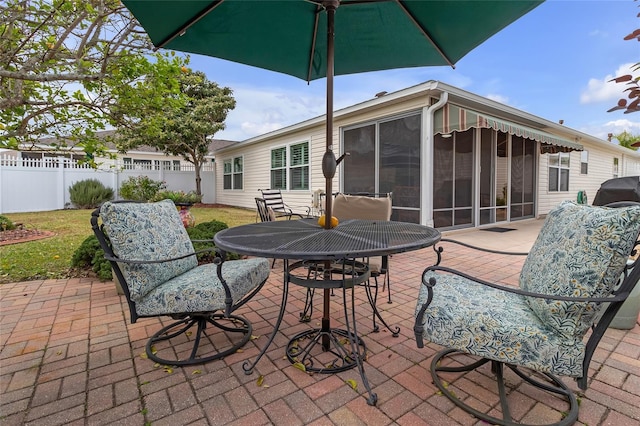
{"points": [[553, 62]]}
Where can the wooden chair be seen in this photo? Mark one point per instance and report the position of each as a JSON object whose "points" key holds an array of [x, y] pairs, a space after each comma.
{"points": [[547, 327], [157, 267]]}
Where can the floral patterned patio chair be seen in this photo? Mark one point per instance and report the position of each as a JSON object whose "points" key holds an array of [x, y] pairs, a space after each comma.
{"points": [[547, 327], [154, 260]]}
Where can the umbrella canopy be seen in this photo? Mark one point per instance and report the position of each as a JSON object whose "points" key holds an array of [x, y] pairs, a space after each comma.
{"points": [[289, 36], [296, 37]]}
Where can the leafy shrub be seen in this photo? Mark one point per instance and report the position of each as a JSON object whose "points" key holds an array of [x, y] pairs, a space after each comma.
{"points": [[89, 193], [178, 197], [6, 224], [206, 231], [140, 188], [90, 254]]}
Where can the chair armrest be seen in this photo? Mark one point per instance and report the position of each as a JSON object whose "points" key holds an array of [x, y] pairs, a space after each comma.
{"points": [[486, 250], [432, 282], [289, 211], [439, 249]]}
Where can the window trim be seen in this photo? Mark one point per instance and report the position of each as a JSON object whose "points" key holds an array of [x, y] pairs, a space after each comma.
{"points": [[288, 167], [232, 173], [559, 168], [584, 162], [284, 149]]}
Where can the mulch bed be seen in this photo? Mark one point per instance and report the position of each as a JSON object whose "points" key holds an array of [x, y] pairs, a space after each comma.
{"points": [[23, 235]]}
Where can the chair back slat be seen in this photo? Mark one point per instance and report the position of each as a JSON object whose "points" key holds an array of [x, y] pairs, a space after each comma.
{"points": [[273, 199]]}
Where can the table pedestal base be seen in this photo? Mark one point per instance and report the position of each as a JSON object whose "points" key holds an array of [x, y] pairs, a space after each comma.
{"points": [[326, 351]]}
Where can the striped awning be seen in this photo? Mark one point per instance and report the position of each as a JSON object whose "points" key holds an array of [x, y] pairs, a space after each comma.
{"points": [[452, 118]]}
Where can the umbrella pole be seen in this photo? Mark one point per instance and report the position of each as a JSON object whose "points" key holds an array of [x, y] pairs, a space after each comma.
{"points": [[329, 158]]}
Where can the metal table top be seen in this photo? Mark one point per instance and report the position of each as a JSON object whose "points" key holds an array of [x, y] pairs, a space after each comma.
{"points": [[305, 239]]}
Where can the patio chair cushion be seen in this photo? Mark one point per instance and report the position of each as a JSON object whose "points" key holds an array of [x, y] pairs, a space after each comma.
{"points": [[580, 252], [147, 231], [365, 208], [361, 207], [200, 290], [505, 329], [271, 214]]}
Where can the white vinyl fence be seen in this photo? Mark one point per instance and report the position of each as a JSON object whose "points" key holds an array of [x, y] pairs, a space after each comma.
{"points": [[31, 185]]}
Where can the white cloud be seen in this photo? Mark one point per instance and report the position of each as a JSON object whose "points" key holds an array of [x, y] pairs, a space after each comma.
{"points": [[615, 127], [264, 108], [498, 98], [600, 90], [261, 110]]}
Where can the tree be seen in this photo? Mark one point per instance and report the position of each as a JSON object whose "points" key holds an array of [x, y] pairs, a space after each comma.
{"points": [[633, 83], [628, 140], [186, 130], [66, 64]]}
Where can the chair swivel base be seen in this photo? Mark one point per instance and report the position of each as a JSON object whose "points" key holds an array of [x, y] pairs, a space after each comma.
{"points": [[552, 384], [231, 324]]}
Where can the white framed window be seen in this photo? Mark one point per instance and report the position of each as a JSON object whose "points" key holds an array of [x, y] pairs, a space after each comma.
{"points": [[290, 167], [559, 168], [584, 162], [616, 167], [233, 173], [279, 168], [299, 167]]}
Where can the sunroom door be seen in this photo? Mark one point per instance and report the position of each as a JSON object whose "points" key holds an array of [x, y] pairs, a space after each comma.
{"points": [[494, 176], [453, 169], [385, 157]]}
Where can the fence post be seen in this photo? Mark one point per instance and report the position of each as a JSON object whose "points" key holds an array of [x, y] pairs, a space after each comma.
{"points": [[1, 187], [115, 182], [60, 189]]}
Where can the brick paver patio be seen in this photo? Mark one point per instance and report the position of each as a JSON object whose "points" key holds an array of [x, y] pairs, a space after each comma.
{"points": [[69, 356]]}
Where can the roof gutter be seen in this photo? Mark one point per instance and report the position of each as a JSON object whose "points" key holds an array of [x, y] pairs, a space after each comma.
{"points": [[426, 154]]}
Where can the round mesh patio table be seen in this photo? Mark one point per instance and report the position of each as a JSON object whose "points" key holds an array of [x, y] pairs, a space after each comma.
{"points": [[325, 259]]}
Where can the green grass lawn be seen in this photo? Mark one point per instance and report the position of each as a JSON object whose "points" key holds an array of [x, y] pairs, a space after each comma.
{"points": [[50, 258]]}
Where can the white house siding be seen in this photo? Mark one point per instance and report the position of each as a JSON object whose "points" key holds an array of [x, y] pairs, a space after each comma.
{"points": [[631, 166], [600, 169], [257, 170], [257, 151], [257, 157]]}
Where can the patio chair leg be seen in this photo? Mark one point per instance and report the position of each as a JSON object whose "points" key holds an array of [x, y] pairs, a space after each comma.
{"points": [[552, 384], [387, 285], [372, 296], [231, 324]]}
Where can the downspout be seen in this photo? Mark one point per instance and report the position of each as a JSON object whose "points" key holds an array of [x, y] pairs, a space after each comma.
{"points": [[426, 160]]}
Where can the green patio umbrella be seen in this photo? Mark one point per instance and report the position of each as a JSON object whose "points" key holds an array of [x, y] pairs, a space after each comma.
{"points": [[312, 39]]}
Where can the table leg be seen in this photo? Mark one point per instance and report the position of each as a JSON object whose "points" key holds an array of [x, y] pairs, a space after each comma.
{"points": [[373, 398], [248, 366]]}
